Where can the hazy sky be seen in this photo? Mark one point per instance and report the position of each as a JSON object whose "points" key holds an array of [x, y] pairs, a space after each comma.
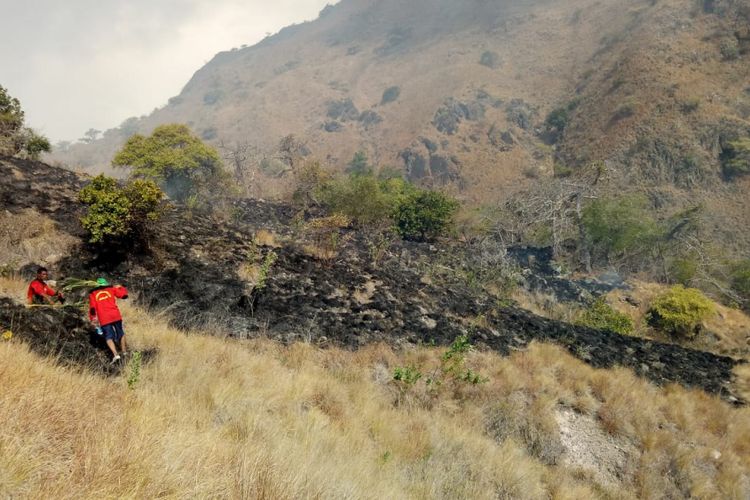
{"points": [[76, 64]]}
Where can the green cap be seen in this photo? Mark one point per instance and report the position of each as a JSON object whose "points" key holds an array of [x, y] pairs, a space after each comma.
{"points": [[102, 282]]}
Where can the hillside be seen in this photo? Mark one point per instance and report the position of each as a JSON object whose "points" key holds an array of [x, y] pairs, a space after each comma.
{"points": [[456, 94], [264, 391]]}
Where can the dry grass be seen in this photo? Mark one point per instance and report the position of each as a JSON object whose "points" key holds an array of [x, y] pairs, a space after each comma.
{"points": [[254, 419], [28, 237]]}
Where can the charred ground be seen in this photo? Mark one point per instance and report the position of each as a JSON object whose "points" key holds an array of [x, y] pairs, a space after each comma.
{"points": [[194, 270]]}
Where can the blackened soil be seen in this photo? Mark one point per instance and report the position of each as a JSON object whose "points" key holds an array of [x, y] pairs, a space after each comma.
{"points": [[191, 273], [60, 333]]}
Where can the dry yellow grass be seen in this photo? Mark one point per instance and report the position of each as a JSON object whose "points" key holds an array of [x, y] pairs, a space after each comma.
{"points": [[212, 417], [28, 237]]}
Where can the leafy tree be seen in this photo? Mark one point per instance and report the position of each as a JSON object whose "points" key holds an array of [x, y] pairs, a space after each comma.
{"points": [[90, 136], [11, 114], [619, 227], [14, 137], [174, 158], [361, 198], [359, 164], [34, 144], [116, 212], [424, 215], [741, 280]]}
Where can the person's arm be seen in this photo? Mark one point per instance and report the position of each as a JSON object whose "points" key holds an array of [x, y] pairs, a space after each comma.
{"points": [[92, 308], [121, 292], [48, 293], [30, 293]]}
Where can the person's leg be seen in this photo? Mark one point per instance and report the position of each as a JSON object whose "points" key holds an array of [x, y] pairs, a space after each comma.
{"points": [[111, 345], [110, 335], [123, 346]]}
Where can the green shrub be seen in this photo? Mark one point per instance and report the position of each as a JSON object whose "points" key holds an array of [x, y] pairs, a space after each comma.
{"points": [[602, 316], [424, 215], [490, 59], [690, 105], [619, 227], [11, 121], [390, 94], [741, 280], [680, 311], [14, 137], [114, 212], [683, 269], [408, 375], [558, 118], [363, 198], [735, 158], [34, 144], [175, 159], [729, 48], [359, 164]]}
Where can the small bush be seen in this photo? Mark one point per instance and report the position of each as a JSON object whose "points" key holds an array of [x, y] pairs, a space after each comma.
{"points": [[729, 48], [490, 59], [363, 198], [626, 110], [359, 164], [116, 212], [735, 158], [741, 280], [425, 215], [602, 316], [690, 105], [619, 227], [390, 95], [408, 375], [680, 311], [33, 144]]}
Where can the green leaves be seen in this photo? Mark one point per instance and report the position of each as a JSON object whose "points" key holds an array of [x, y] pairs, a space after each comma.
{"points": [[602, 316], [173, 157], [736, 158], [680, 311], [114, 211], [620, 227], [423, 214]]}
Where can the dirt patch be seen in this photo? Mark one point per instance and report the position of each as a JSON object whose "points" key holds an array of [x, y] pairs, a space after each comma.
{"points": [[587, 446]]}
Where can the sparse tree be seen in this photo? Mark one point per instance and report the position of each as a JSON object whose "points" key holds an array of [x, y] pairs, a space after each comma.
{"points": [[90, 136]]}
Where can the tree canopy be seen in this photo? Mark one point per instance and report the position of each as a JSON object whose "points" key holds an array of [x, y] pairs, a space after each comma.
{"points": [[173, 157], [14, 137]]}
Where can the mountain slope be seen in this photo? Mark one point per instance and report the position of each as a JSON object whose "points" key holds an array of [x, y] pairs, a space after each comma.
{"points": [[456, 93]]}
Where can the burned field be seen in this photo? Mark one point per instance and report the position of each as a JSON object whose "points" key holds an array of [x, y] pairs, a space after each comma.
{"points": [[204, 273]]}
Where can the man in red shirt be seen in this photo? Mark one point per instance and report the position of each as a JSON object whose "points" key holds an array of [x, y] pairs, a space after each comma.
{"points": [[41, 293], [103, 310]]}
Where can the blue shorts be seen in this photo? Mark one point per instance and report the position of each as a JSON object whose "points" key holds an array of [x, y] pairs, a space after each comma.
{"points": [[113, 331]]}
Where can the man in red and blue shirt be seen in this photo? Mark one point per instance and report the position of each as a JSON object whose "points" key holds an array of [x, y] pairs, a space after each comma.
{"points": [[41, 293], [103, 309]]}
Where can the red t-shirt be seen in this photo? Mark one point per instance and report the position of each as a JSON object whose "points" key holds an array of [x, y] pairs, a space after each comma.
{"points": [[39, 288], [103, 306]]}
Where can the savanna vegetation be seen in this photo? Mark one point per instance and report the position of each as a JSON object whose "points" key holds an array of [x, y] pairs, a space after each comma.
{"points": [[218, 417]]}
